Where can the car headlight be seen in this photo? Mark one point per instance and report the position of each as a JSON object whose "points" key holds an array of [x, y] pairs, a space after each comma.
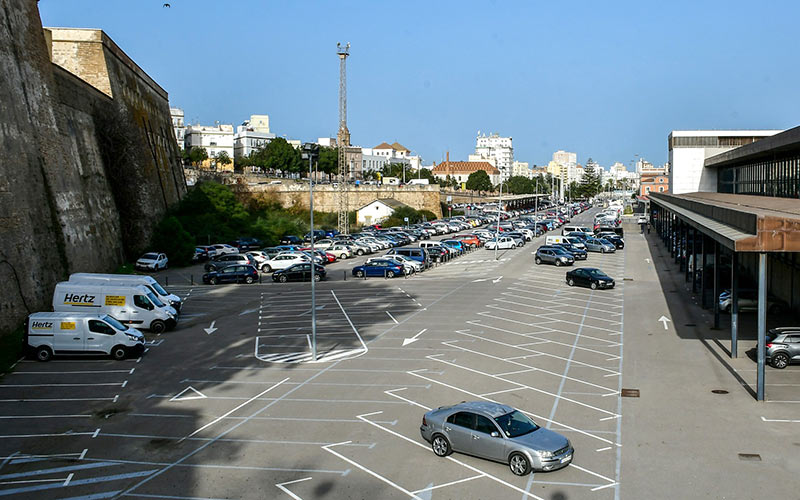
{"points": [[546, 454]]}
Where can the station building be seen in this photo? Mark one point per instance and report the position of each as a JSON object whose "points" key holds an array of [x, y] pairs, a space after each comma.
{"points": [[739, 227]]}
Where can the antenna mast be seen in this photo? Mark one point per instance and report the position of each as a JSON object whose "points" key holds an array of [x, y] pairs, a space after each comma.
{"points": [[343, 137]]}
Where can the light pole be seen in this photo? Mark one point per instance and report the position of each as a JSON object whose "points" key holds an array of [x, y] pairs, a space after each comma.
{"points": [[497, 228], [310, 150]]}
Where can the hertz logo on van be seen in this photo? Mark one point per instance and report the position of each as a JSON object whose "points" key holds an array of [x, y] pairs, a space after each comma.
{"points": [[73, 299], [41, 325]]}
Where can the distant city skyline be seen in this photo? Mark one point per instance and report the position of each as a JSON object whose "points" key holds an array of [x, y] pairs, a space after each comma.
{"points": [[430, 75]]}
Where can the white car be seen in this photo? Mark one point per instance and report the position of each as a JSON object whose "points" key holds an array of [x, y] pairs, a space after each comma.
{"points": [[340, 251], [503, 243], [222, 249], [407, 268], [152, 262], [284, 260], [259, 256], [415, 264]]}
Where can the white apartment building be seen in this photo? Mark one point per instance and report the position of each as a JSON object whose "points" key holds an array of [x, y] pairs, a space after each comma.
{"points": [[178, 125], [498, 148], [374, 159], [214, 139], [251, 135], [522, 169], [688, 149]]}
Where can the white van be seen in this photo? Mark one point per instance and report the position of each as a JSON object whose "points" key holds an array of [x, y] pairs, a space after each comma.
{"points": [[130, 280], [552, 240], [429, 244], [131, 305], [571, 229], [53, 333]]}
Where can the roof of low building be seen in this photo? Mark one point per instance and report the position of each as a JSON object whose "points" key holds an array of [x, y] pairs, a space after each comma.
{"points": [[449, 167], [389, 202], [383, 145], [399, 147]]}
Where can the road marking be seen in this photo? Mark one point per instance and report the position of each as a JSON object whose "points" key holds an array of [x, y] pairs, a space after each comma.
{"points": [[194, 394], [78, 482], [69, 478], [764, 419], [124, 384], [430, 488], [45, 416], [286, 490], [413, 339], [603, 449], [211, 328], [76, 372], [351, 323], [604, 486], [392, 393], [233, 410], [390, 315], [664, 320], [368, 471]]}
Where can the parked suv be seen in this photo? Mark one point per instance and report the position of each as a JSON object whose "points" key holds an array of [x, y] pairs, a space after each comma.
{"points": [[783, 346], [229, 260], [244, 244], [553, 255]]}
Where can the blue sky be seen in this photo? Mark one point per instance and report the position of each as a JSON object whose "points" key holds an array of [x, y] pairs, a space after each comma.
{"points": [[607, 80]]}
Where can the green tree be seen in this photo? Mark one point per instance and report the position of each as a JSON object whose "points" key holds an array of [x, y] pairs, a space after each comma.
{"points": [[479, 181], [328, 161], [280, 155], [171, 238], [424, 173], [403, 212], [198, 155], [518, 184], [223, 158], [591, 182]]}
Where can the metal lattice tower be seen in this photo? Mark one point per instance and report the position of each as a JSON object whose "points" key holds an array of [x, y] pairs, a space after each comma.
{"points": [[343, 136]]}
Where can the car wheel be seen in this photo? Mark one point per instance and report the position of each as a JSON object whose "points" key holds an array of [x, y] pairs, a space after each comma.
{"points": [[266, 268], [602, 249], [513, 245], [390, 274], [359, 274], [158, 326], [283, 278], [519, 464], [119, 353], [44, 353], [317, 277], [571, 282], [593, 286], [360, 252], [248, 280], [441, 446], [343, 256], [780, 361], [558, 263], [537, 260], [213, 281]]}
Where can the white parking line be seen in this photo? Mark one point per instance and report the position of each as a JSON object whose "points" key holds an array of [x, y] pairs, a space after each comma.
{"points": [[764, 419], [451, 483], [392, 393], [283, 488]]}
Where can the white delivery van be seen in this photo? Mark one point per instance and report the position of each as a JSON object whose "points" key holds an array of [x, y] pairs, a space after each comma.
{"points": [[430, 244], [54, 333], [130, 280], [552, 240], [136, 306]]}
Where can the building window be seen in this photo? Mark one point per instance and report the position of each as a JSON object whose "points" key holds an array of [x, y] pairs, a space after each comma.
{"points": [[661, 189], [647, 189]]}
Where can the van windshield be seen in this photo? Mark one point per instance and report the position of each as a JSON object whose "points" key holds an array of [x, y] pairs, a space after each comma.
{"points": [[111, 320], [159, 290], [155, 300]]}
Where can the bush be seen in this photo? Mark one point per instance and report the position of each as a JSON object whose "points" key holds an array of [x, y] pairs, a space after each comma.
{"points": [[173, 240], [427, 215]]}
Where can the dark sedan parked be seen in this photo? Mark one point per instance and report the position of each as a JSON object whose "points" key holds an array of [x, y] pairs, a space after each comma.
{"points": [[614, 238], [232, 274], [299, 272], [291, 240], [577, 253], [380, 268], [589, 276]]}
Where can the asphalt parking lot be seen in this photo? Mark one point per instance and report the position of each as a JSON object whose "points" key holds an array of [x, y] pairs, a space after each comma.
{"points": [[231, 405]]}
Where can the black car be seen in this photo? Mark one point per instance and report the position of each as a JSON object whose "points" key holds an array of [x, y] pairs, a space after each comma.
{"points": [[291, 239], [200, 254], [576, 252], [589, 276], [229, 259], [299, 272], [319, 234], [245, 244], [614, 238], [232, 274]]}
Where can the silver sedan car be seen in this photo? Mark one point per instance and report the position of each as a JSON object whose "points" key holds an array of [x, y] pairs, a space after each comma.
{"points": [[599, 245], [496, 432]]}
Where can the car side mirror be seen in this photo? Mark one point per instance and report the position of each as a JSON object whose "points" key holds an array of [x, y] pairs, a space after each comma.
{"points": [[495, 434]]}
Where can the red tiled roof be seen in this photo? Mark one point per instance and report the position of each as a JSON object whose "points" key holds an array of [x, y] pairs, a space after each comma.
{"points": [[462, 167]]}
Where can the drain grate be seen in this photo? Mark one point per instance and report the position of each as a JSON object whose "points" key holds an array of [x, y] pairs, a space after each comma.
{"points": [[630, 393], [750, 457], [719, 391], [690, 324]]}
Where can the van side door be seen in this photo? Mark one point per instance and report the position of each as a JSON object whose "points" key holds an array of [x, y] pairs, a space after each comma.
{"points": [[140, 310], [99, 337], [68, 336]]}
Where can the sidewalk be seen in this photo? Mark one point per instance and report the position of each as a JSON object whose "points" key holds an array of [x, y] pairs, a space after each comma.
{"points": [[679, 439]]}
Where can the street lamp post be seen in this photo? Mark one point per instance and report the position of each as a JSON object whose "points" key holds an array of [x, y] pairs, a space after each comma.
{"points": [[310, 150], [497, 228]]}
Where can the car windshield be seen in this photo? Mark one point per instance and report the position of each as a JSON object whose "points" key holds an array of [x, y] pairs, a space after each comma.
{"points": [[155, 300], [152, 256], [516, 424], [159, 289], [111, 320], [596, 273]]}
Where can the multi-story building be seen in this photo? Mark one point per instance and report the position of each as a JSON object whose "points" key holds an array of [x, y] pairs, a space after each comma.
{"points": [[214, 139], [652, 182], [374, 159], [498, 148], [521, 169], [251, 135], [178, 125], [688, 149]]}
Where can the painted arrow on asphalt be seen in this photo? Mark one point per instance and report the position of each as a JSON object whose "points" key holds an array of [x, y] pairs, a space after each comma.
{"points": [[414, 338], [647, 260], [480, 279], [211, 328], [497, 280], [248, 311], [664, 320]]}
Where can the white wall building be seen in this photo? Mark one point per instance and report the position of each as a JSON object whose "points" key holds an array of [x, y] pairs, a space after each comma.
{"points": [[374, 159], [522, 169], [376, 211], [251, 135], [178, 125], [688, 149], [498, 148], [214, 139]]}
